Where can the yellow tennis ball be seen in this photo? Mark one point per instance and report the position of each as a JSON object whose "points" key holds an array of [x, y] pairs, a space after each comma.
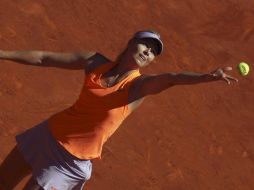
{"points": [[243, 68]]}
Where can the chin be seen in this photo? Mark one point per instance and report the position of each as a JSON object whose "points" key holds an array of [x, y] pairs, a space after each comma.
{"points": [[139, 63]]}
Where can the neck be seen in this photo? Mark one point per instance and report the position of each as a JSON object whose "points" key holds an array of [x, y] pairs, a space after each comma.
{"points": [[125, 64]]}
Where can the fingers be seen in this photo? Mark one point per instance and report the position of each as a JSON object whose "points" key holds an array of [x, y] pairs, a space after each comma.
{"points": [[227, 80], [227, 69], [226, 77], [232, 78]]}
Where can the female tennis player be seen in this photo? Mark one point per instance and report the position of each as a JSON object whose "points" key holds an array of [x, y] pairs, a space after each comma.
{"points": [[59, 150]]}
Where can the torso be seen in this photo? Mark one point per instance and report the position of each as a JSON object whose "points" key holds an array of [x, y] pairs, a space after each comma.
{"points": [[108, 80], [134, 100]]}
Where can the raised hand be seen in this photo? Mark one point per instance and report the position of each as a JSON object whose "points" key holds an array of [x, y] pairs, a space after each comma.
{"points": [[220, 74]]}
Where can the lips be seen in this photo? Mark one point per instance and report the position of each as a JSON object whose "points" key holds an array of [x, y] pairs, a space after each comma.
{"points": [[142, 57]]}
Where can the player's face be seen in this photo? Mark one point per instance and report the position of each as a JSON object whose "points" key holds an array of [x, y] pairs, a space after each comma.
{"points": [[143, 51]]}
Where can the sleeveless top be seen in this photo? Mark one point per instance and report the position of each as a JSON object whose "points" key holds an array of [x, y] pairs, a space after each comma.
{"points": [[83, 128]]}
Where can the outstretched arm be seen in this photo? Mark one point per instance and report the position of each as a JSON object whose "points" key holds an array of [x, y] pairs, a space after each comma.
{"points": [[154, 84], [52, 59]]}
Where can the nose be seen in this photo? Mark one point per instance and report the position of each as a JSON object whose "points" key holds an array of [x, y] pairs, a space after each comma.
{"points": [[147, 51]]}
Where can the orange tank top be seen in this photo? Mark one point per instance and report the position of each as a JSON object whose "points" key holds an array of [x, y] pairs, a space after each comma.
{"points": [[83, 128]]}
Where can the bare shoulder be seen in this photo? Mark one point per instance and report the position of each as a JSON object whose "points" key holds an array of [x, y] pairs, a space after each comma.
{"points": [[142, 86], [136, 97], [137, 86], [154, 83], [94, 60]]}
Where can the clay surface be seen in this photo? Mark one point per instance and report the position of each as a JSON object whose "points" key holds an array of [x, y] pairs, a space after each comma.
{"points": [[192, 137]]}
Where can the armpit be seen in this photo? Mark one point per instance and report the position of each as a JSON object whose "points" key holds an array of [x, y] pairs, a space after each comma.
{"points": [[94, 62]]}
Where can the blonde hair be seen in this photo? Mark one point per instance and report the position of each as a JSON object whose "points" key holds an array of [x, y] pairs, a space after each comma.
{"points": [[120, 55]]}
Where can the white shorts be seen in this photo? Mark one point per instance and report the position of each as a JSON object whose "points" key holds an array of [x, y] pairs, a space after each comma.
{"points": [[52, 166]]}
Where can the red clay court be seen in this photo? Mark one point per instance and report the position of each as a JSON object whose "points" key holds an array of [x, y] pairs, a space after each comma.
{"points": [[188, 137]]}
